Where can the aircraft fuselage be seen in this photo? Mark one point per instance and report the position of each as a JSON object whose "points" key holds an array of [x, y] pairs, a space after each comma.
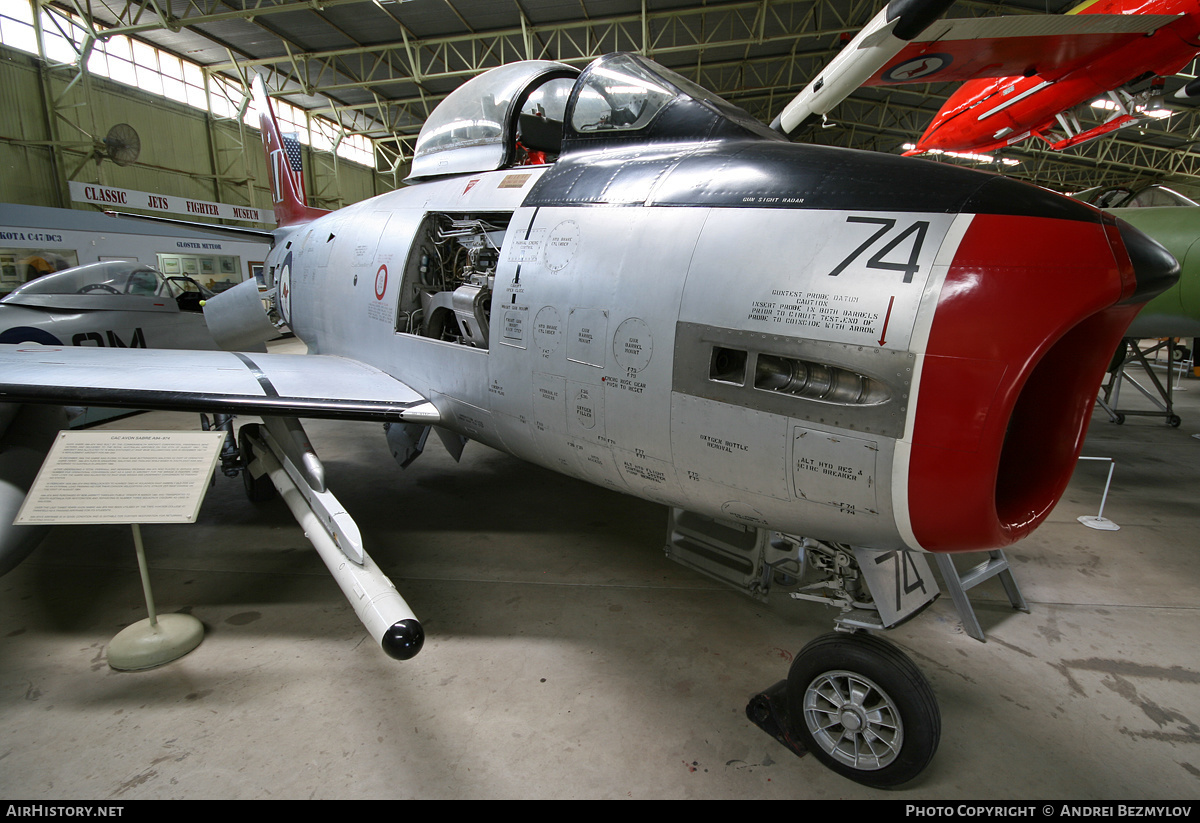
{"points": [[694, 329]]}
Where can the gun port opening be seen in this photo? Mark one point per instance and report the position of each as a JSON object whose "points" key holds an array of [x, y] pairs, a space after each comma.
{"points": [[728, 366]]}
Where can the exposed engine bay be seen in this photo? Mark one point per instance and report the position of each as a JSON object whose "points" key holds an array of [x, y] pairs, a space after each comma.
{"points": [[449, 278]]}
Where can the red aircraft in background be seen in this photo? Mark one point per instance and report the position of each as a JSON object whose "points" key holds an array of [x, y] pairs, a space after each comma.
{"points": [[1024, 75], [1047, 76]]}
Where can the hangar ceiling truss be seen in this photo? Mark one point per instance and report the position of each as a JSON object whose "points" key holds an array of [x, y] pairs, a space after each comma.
{"points": [[380, 66]]}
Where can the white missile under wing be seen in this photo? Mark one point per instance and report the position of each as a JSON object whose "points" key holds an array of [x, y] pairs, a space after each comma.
{"points": [[827, 363]]}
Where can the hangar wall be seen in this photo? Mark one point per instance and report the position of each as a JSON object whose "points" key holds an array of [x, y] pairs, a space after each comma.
{"points": [[184, 151]]}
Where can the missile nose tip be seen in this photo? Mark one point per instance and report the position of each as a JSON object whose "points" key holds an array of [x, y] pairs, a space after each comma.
{"points": [[1155, 268], [403, 640]]}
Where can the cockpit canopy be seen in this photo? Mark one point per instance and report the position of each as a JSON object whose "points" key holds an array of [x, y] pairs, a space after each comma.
{"points": [[623, 95], [1132, 197], [532, 111], [473, 129], [109, 277]]}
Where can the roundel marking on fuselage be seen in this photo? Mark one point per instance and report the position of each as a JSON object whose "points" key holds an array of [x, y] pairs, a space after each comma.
{"points": [[28, 334], [284, 299], [918, 67], [381, 282]]}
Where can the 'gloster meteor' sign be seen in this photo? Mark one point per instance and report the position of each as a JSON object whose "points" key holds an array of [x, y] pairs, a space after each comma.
{"points": [[126, 198]]}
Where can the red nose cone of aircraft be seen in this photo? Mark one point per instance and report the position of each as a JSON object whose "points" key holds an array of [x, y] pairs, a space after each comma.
{"points": [[1015, 357], [946, 139], [941, 136], [958, 126], [960, 134]]}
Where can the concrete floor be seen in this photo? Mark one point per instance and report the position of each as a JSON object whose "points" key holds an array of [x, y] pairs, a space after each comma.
{"points": [[567, 658]]}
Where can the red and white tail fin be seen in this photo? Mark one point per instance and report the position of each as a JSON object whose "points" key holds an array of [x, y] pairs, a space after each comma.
{"points": [[283, 165]]}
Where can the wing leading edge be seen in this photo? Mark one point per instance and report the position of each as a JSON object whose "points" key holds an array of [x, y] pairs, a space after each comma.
{"points": [[288, 385], [1046, 45], [906, 42]]}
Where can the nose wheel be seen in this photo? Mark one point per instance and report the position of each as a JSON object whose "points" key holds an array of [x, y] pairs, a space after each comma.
{"points": [[863, 709]]}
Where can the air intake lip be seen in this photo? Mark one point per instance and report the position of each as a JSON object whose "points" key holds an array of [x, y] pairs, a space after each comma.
{"points": [[1021, 339]]}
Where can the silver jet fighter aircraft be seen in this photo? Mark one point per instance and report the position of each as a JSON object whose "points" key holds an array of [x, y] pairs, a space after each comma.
{"points": [[827, 363]]}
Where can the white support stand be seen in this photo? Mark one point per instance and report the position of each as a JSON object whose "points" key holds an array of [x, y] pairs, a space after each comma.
{"points": [[129, 477], [1183, 366], [1099, 521], [154, 641]]}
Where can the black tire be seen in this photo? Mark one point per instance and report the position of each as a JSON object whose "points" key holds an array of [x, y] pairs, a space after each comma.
{"points": [[881, 734], [261, 489], [1174, 420]]}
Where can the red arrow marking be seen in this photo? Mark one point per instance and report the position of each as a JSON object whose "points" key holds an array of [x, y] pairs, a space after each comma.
{"points": [[886, 319]]}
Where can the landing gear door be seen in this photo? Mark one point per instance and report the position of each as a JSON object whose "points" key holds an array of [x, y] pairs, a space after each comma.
{"points": [[900, 583]]}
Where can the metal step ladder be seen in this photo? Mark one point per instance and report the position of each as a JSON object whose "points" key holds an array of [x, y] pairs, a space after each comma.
{"points": [[958, 584]]}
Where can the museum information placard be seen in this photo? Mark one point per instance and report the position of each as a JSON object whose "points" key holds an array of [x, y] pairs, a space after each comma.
{"points": [[123, 477]]}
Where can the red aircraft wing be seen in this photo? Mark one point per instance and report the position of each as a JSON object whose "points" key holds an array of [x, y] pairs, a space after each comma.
{"points": [[1046, 45]]}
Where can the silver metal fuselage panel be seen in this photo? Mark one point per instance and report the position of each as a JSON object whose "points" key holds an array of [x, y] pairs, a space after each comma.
{"points": [[606, 327]]}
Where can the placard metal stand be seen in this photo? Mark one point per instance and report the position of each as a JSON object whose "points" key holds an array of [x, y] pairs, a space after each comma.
{"points": [[155, 640], [130, 477]]}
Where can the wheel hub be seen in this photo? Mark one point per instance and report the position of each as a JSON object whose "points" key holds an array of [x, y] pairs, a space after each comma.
{"points": [[853, 720]]}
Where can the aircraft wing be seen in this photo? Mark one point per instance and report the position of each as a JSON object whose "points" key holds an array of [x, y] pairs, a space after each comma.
{"points": [[290, 385], [908, 42], [1046, 45]]}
